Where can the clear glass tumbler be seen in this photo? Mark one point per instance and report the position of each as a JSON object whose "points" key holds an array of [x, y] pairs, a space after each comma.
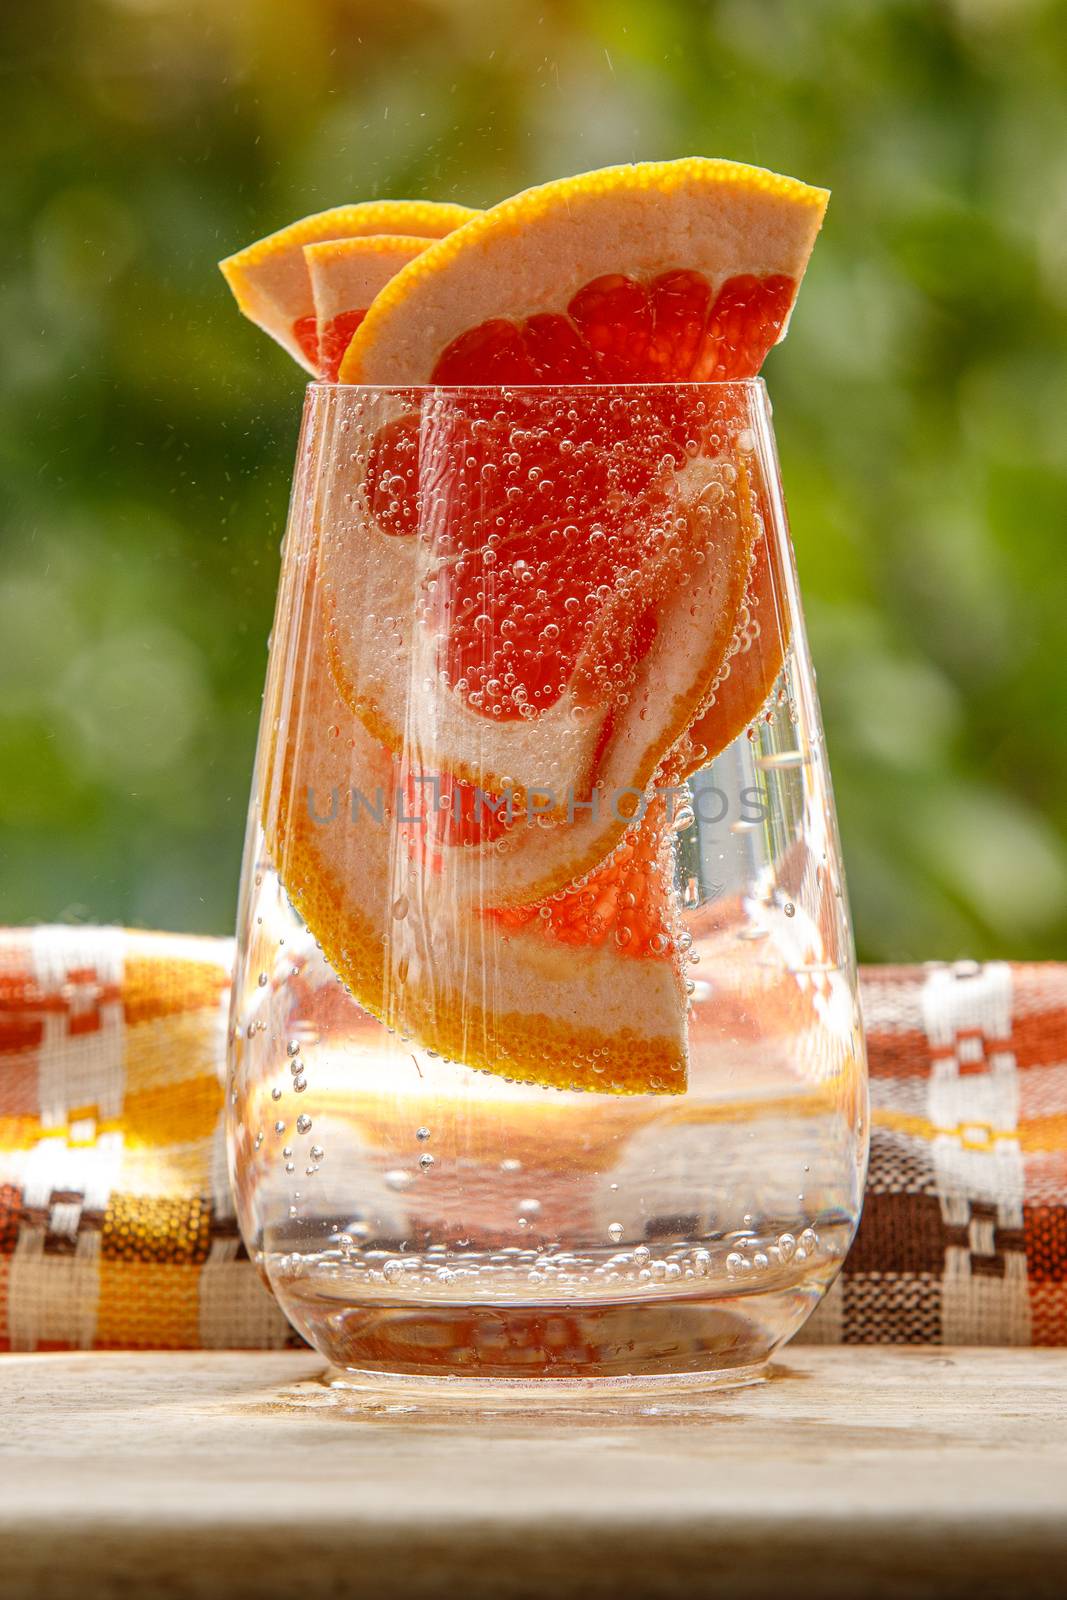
{"points": [[546, 1060]]}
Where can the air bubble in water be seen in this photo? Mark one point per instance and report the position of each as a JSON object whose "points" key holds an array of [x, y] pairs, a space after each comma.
{"points": [[422, 1134], [398, 1179], [615, 1231], [303, 1123], [426, 1161], [642, 1255], [293, 1047], [279, 1127], [317, 1153]]}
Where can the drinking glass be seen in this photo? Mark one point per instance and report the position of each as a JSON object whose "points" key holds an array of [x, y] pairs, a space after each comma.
{"points": [[546, 1063]]}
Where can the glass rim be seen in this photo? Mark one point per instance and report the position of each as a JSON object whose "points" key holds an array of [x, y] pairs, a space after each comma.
{"points": [[755, 385]]}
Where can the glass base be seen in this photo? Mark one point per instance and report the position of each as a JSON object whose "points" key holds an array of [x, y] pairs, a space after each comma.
{"points": [[687, 1342]]}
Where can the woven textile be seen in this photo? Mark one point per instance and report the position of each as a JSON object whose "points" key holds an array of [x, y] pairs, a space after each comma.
{"points": [[963, 1238], [116, 1224], [117, 1228]]}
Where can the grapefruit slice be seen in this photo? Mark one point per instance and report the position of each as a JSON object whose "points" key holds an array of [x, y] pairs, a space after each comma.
{"points": [[610, 664], [677, 269], [270, 279], [346, 275], [590, 995], [544, 650]]}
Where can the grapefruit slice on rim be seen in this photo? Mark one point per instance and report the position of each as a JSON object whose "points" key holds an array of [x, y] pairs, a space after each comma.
{"points": [[346, 275], [270, 279], [662, 270]]}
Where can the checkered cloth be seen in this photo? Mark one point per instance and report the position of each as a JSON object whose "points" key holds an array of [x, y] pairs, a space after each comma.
{"points": [[963, 1238], [116, 1224], [117, 1228]]}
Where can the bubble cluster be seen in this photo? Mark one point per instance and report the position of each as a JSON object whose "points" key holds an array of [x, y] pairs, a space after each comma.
{"points": [[459, 1272]]}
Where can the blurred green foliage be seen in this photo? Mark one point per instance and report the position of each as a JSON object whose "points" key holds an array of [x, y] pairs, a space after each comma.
{"points": [[147, 432]]}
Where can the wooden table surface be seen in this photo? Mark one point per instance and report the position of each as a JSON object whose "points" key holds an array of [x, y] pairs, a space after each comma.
{"points": [[847, 1472]]}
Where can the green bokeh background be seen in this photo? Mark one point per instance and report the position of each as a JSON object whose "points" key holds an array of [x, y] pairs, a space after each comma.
{"points": [[147, 432]]}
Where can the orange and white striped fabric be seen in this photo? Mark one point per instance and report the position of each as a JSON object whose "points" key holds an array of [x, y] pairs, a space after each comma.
{"points": [[117, 1227]]}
